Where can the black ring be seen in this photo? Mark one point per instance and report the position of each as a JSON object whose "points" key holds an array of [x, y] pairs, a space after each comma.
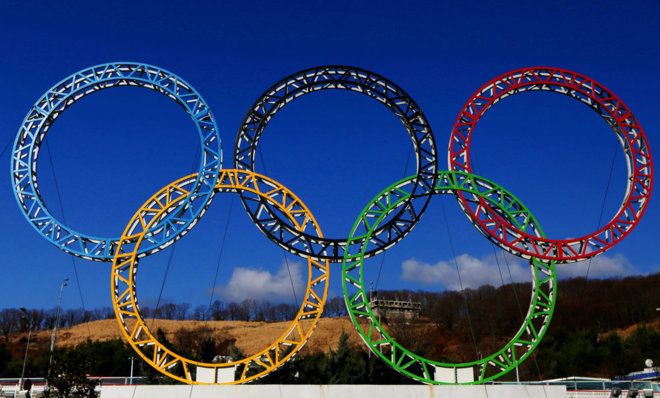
{"points": [[358, 80]]}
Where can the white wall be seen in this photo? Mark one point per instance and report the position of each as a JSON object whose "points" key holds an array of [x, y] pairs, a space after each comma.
{"points": [[333, 391]]}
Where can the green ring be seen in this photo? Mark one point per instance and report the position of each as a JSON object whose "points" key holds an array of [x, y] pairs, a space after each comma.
{"points": [[401, 359]]}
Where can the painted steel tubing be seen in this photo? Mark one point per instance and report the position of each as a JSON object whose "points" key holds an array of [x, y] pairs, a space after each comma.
{"points": [[608, 106], [286, 221], [154, 352], [375, 334], [58, 98], [363, 82]]}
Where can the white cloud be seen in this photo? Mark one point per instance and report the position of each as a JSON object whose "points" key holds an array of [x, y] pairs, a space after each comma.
{"points": [[474, 271], [602, 266], [260, 284]]}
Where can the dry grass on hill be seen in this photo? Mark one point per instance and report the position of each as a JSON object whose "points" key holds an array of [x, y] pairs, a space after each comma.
{"points": [[250, 337], [627, 331]]}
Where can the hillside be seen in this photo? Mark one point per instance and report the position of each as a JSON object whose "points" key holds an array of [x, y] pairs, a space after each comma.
{"points": [[601, 328], [250, 336]]}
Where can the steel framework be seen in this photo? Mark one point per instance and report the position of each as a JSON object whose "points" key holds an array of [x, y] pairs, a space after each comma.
{"points": [[125, 269], [360, 81], [611, 109], [285, 220], [375, 335], [59, 97]]}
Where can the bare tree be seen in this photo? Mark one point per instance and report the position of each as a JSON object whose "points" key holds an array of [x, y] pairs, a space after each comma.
{"points": [[9, 321], [181, 311], [200, 313], [217, 310]]}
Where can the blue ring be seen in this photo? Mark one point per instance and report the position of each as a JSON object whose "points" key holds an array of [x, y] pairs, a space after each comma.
{"points": [[66, 92]]}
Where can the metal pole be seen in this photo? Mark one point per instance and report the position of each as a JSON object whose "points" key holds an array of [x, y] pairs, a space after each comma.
{"points": [[27, 346], [132, 359], [57, 321], [517, 375]]}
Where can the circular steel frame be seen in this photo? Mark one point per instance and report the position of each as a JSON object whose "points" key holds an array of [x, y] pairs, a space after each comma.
{"points": [[381, 343], [609, 107], [278, 213], [46, 110], [374, 86], [125, 267]]}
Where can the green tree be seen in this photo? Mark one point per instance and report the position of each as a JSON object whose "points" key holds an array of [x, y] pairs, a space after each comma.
{"points": [[5, 357], [68, 376], [344, 365]]}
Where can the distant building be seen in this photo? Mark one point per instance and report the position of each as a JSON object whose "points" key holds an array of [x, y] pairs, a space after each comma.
{"points": [[395, 310]]}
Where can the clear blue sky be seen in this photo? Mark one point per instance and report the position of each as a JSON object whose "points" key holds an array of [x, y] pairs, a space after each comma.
{"points": [[336, 150]]}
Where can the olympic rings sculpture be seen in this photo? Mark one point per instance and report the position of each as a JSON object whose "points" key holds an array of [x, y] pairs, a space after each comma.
{"points": [[285, 220]]}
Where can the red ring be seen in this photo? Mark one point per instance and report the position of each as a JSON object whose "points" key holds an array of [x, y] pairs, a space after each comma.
{"points": [[609, 107]]}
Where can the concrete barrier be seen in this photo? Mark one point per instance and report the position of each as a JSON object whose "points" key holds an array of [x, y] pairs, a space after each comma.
{"points": [[334, 391]]}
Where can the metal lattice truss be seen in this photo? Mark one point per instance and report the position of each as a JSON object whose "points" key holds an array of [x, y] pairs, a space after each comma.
{"points": [[609, 107], [125, 268], [373, 86], [285, 220], [46, 110], [381, 343]]}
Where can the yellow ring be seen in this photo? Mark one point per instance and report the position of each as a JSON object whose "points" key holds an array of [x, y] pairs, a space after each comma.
{"points": [[124, 271]]}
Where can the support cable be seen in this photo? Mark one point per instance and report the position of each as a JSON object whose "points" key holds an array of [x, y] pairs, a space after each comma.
{"points": [[515, 294], [134, 390], [286, 260], [170, 257], [73, 259], [384, 254], [499, 269], [602, 209], [460, 282], [513, 284], [222, 250], [460, 279], [4, 149], [162, 285]]}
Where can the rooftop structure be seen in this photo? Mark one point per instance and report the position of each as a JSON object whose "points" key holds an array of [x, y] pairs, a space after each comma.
{"points": [[395, 310]]}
